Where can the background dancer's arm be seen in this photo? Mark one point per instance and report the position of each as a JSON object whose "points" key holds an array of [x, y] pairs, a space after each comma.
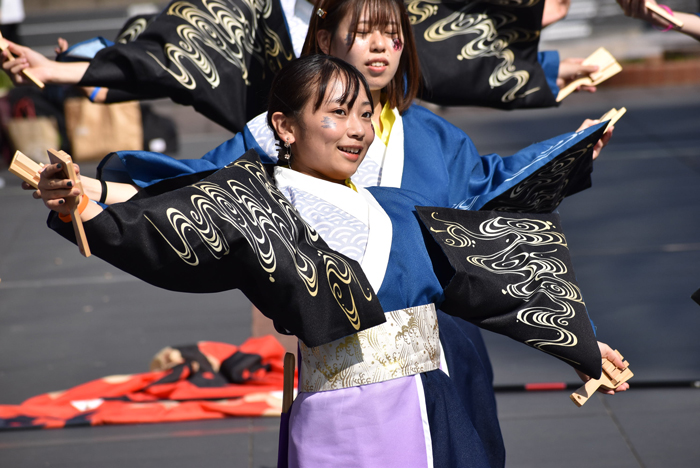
{"points": [[41, 67], [637, 9]]}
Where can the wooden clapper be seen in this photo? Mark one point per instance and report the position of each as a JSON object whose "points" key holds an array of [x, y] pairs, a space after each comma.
{"points": [[607, 67], [26, 169], [613, 115], [664, 14], [4, 46], [610, 378], [69, 173]]}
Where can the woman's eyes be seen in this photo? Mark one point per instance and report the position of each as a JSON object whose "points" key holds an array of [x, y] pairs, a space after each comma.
{"points": [[393, 32], [367, 115], [339, 112]]}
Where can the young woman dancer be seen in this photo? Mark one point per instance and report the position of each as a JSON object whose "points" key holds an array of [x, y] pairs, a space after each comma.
{"points": [[413, 148], [378, 411]]}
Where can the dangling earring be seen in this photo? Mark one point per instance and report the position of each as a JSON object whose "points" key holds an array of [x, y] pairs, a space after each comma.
{"points": [[287, 150]]}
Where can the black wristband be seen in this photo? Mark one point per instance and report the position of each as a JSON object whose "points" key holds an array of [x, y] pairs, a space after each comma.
{"points": [[103, 196]]}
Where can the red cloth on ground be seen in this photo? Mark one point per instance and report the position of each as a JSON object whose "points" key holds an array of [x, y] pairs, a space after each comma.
{"points": [[209, 380]]}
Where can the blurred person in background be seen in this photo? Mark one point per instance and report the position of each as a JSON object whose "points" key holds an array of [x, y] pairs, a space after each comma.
{"points": [[11, 15]]}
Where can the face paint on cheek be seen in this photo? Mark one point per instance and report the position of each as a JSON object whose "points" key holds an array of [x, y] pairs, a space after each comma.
{"points": [[348, 40], [327, 123], [398, 45]]}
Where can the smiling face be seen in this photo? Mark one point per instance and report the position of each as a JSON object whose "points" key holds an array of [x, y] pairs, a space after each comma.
{"points": [[330, 142], [375, 50]]}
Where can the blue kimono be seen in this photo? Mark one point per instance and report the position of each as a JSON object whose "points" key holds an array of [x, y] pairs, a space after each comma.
{"points": [[427, 155], [398, 408]]}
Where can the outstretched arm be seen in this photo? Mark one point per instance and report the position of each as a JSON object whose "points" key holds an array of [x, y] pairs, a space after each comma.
{"points": [[53, 190], [637, 9], [41, 67]]}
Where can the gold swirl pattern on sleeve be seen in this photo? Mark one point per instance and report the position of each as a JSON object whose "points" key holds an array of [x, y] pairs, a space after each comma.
{"points": [[338, 273], [421, 10], [406, 344], [228, 30], [490, 39], [133, 31], [540, 272], [250, 214], [545, 188]]}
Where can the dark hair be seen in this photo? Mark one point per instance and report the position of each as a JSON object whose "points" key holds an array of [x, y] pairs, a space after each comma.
{"points": [[293, 86], [405, 85]]}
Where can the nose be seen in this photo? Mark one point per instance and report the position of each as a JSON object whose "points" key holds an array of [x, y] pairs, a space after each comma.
{"points": [[356, 128], [376, 41]]}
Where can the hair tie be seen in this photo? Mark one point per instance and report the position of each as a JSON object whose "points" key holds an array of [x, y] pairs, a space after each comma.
{"points": [[103, 195], [321, 13]]}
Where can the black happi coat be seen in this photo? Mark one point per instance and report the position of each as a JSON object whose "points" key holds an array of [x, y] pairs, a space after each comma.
{"points": [[258, 242], [218, 56], [234, 229]]}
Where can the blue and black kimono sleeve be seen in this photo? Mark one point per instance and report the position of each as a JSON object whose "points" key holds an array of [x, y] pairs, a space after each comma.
{"points": [[234, 229], [535, 179]]}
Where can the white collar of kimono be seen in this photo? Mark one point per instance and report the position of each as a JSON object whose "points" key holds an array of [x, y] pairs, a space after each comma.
{"points": [[390, 157], [361, 205]]}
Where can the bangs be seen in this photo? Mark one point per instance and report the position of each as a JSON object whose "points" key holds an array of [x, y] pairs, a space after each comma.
{"points": [[348, 79], [381, 13]]}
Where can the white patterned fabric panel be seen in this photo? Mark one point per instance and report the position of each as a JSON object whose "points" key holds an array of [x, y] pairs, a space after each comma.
{"points": [[369, 174], [263, 135], [341, 231]]}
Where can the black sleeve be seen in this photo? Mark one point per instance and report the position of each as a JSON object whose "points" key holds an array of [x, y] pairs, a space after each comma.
{"points": [[219, 59], [234, 229], [513, 275], [481, 53]]}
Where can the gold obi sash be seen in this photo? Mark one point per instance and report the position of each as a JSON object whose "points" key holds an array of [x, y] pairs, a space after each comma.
{"points": [[407, 343]]}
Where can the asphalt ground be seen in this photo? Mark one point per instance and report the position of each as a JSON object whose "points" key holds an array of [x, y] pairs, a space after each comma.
{"points": [[634, 241]]}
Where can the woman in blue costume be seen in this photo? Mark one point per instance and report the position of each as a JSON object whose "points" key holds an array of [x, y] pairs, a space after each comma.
{"points": [[375, 397], [413, 148]]}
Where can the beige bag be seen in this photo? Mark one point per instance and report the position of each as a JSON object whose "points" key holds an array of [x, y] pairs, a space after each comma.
{"points": [[33, 135], [96, 130]]}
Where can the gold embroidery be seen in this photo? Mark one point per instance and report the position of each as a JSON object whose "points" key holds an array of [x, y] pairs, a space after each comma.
{"points": [[133, 31], [491, 40], [249, 214], [407, 344], [543, 189], [227, 30], [541, 272]]}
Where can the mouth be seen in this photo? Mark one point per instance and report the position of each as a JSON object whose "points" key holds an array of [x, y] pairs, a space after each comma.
{"points": [[351, 152], [377, 64]]}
